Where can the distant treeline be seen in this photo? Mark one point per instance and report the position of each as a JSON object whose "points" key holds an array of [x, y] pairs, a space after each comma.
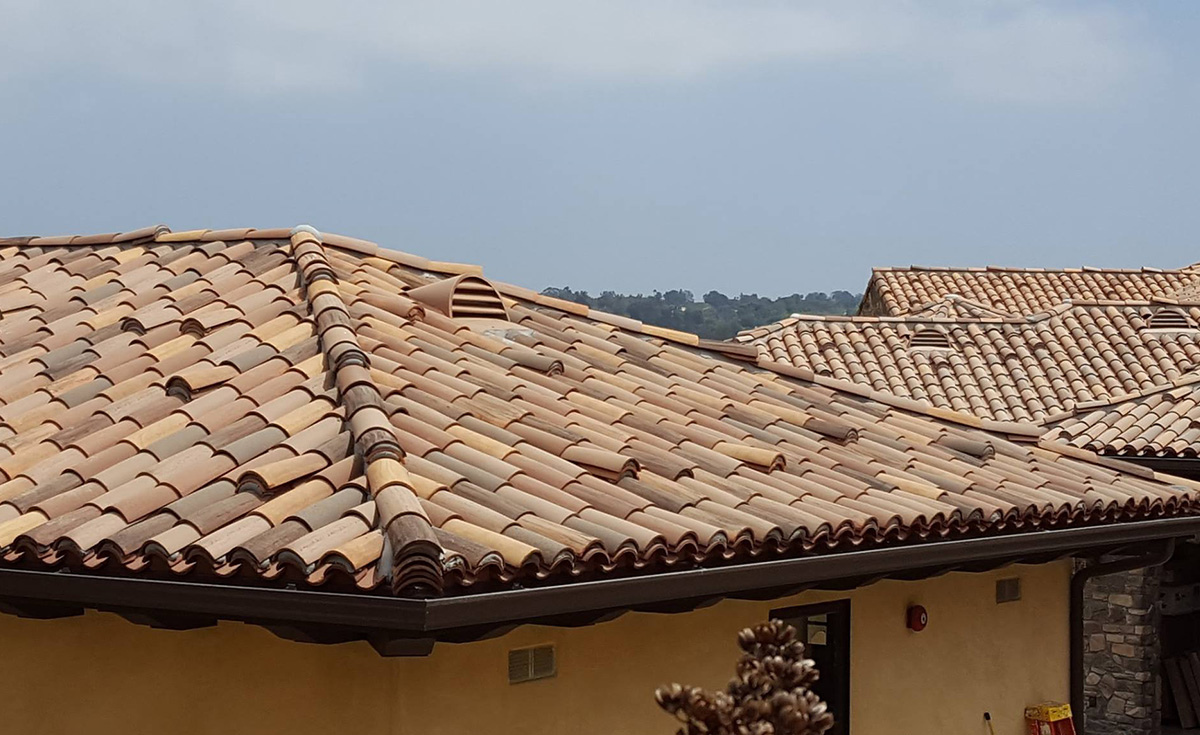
{"points": [[717, 316]]}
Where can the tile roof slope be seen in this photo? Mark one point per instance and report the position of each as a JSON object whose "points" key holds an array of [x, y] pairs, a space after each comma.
{"points": [[276, 406], [1024, 369], [1188, 294], [903, 291], [1163, 422], [953, 306]]}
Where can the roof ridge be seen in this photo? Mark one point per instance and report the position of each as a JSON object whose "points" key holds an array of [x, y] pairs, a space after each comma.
{"points": [[514, 292], [163, 234], [753, 334], [954, 298], [913, 318], [108, 238], [416, 564], [690, 339], [1018, 269], [794, 319]]}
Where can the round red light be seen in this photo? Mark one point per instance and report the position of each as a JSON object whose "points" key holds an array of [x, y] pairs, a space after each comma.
{"points": [[918, 618]]}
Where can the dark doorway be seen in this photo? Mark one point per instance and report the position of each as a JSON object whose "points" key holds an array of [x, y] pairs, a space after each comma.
{"points": [[824, 629]]}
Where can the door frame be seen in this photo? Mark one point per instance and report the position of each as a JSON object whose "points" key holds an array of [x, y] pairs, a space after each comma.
{"points": [[842, 609]]}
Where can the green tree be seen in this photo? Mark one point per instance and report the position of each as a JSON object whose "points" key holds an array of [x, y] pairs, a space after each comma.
{"points": [[716, 316]]}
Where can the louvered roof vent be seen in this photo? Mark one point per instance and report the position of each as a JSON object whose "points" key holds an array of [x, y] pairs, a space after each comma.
{"points": [[929, 338], [463, 297], [1169, 318]]}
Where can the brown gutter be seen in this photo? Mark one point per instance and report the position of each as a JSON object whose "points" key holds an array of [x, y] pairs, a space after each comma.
{"points": [[466, 617]]}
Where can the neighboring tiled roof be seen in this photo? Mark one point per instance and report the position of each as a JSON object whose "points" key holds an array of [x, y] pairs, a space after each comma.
{"points": [[952, 306], [1025, 291], [1188, 294], [1164, 422], [277, 406], [1004, 368]]}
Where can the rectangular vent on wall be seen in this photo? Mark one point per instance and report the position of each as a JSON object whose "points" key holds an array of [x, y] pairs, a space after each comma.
{"points": [[531, 664], [1008, 589]]}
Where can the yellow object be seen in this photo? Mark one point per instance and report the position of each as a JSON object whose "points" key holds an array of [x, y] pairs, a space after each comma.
{"points": [[1048, 712], [240, 680]]}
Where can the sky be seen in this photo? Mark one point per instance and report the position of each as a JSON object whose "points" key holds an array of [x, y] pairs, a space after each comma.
{"points": [[749, 146]]}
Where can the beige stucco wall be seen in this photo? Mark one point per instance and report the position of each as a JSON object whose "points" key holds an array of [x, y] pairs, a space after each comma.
{"points": [[101, 674]]}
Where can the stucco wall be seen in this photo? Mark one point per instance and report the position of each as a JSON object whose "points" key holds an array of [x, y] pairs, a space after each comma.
{"points": [[103, 675]]}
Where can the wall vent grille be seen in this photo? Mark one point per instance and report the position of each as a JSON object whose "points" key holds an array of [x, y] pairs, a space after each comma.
{"points": [[531, 664], [1008, 589]]}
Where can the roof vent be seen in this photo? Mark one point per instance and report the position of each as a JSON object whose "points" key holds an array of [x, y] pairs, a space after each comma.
{"points": [[531, 664], [927, 338], [1169, 318], [462, 297]]}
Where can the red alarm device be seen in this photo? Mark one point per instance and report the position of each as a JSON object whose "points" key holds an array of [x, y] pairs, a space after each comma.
{"points": [[918, 618]]}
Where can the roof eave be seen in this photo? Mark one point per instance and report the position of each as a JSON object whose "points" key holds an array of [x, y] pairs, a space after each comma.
{"points": [[404, 626]]}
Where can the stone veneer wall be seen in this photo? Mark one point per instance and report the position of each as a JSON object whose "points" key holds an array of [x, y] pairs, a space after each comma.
{"points": [[1121, 653]]}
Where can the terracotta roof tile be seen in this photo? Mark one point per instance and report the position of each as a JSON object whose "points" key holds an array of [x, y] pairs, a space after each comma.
{"points": [[290, 408], [1159, 422], [1016, 368], [997, 292]]}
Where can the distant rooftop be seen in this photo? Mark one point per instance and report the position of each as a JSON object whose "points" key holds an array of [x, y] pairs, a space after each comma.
{"points": [[1020, 291], [959, 355]]}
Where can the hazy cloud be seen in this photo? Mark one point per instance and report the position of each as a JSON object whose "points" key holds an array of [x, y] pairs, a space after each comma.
{"points": [[1003, 50]]}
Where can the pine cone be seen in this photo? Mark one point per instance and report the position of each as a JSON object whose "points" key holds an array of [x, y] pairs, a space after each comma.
{"points": [[768, 696]]}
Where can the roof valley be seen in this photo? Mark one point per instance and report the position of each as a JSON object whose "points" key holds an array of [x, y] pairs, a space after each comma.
{"points": [[415, 558]]}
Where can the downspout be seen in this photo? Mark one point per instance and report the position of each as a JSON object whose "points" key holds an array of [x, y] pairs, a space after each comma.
{"points": [[1078, 581]]}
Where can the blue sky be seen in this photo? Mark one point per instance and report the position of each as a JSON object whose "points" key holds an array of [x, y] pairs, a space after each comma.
{"points": [[766, 147]]}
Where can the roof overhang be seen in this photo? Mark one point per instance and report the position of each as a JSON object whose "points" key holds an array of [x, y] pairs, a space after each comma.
{"points": [[402, 626]]}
